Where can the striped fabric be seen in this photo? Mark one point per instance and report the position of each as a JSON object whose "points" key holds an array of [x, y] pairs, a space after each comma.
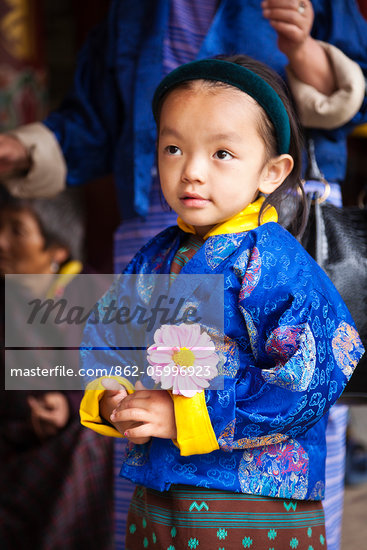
{"points": [[188, 25], [133, 234], [335, 469], [187, 517]]}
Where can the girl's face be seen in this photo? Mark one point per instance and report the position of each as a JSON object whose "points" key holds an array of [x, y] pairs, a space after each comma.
{"points": [[22, 245], [211, 159]]}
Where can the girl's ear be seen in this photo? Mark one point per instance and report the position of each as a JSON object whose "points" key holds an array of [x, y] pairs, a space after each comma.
{"points": [[274, 173]]}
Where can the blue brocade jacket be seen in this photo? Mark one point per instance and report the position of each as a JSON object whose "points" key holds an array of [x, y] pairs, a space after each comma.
{"points": [[290, 347]]}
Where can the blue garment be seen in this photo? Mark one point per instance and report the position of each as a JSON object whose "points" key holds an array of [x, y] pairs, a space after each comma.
{"points": [[189, 22], [290, 346], [106, 124]]}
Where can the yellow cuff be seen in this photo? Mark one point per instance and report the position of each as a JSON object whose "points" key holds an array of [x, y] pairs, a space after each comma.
{"points": [[89, 406], [195, 434]]}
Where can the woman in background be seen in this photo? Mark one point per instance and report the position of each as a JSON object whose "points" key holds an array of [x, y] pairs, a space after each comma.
{"points": [[56, 477]]}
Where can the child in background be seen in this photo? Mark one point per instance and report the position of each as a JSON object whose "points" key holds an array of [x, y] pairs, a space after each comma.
{"points": [[241, 467]]}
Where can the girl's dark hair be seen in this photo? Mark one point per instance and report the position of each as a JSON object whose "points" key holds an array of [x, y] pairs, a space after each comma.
{"points": [[60, 218], [289, 198]]}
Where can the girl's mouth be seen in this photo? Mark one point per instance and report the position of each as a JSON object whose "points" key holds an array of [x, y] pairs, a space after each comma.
{"points": [[193, 200]]}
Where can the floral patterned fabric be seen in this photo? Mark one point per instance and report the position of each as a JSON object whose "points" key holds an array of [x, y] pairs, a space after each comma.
{"points": [[289, 347]]}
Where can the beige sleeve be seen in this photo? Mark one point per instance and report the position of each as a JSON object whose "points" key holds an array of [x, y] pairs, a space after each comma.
{"points": [[47, 174], [317, 110]]}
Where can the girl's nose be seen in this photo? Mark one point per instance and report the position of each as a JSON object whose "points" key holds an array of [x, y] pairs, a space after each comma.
{"points": [[194, 170]]}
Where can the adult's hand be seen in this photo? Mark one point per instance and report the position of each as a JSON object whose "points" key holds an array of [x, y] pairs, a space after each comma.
{"points": [[49, 413], [14, 157], [292, 20]]}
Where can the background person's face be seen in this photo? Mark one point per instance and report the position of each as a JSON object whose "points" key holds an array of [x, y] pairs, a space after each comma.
{"points": [[22, 245]]}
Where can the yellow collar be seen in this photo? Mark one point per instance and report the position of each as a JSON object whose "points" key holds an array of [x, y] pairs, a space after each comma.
{"points": [[245, 220]]}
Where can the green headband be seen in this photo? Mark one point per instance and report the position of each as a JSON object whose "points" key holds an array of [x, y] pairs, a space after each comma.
{"points": [[239, 77]]}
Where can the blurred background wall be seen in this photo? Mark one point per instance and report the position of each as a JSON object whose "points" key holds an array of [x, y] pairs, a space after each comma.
{"points": [[39, 41]]}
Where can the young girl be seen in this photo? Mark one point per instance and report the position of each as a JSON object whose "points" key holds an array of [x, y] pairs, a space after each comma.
{"points": [[242, 466]]}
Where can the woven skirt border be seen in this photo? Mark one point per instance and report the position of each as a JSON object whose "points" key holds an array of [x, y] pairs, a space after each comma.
{"points": [[188, 518]]}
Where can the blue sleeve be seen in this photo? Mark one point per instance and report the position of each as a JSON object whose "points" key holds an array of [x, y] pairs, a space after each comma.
{"points": [[114, 335], [301, 351], [107, 336], [89, 120]]}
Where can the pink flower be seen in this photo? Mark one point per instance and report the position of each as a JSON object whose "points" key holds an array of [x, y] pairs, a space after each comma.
{"points": [[182, 358]]}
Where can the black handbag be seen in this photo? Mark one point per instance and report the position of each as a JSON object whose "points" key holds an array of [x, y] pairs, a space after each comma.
{"points": [[337, 239]]}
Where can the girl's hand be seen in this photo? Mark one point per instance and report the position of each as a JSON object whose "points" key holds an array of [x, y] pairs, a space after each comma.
{"points": [[292, 20], [151, 410], [49, 413], [112, 397], [110, 402]]}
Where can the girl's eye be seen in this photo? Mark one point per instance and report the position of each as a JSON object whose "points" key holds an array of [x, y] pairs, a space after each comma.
{"points": [[173, 150], [223, 155]]}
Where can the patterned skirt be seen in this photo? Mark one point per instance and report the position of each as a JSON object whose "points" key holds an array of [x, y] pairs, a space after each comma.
{"points": [[188, 518]]}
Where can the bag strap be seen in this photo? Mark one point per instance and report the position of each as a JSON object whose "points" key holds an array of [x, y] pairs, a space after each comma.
{"points": [[314, 173], [313, 238]]}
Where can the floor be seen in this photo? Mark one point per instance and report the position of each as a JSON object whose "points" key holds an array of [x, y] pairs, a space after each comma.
{"points": [[354, 535]]}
